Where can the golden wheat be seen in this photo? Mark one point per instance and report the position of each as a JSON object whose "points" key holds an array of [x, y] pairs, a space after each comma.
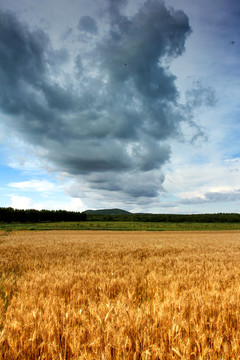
{"points": [[119, 295]]}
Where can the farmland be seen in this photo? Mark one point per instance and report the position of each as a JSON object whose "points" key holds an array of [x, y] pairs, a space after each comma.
{"points": [[119, 295]]}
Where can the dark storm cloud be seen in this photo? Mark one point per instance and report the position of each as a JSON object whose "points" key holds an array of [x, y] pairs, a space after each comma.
{"points": [[113, 114], [22, 61], [26, 93], [125, 185], [88, 24]]}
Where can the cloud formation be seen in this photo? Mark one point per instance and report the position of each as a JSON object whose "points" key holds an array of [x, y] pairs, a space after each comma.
{"points": [[88, 24], [107, 121], [36, 185], [213, 197]]}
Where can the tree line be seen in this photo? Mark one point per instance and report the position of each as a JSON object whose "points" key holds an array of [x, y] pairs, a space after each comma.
{"points": [[10, 215], [175, 218]]}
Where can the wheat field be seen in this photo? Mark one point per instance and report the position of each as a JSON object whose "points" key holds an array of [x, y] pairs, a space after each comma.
{"points": [[119, 295]]}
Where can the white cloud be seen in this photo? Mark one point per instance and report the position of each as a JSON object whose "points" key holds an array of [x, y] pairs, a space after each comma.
{"points": [[74, 205], [21, 202], [194, 180], [24, 202], [34, 185]]}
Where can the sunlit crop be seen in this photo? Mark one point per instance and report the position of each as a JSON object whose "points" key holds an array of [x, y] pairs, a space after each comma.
{"points": [[119, 295]]}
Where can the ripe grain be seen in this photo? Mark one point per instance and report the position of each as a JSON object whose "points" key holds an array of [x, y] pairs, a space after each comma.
{"points": [[119, 295]]}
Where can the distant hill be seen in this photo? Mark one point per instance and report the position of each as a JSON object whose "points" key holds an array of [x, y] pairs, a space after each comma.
{"points": [[107, 212]]}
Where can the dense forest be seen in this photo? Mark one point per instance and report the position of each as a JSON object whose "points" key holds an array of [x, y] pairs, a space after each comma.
{"points": [[174, 218], [10, 215]]}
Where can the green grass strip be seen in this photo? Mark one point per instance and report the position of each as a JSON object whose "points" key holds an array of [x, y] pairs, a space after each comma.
{"points": [[121, 226]]}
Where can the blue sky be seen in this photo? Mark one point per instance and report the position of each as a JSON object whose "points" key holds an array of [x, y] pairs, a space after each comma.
{"points": [[129, 104]]}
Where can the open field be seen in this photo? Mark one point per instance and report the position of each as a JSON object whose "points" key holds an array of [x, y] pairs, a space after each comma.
{"points": [[119, 295], [121, 226]]}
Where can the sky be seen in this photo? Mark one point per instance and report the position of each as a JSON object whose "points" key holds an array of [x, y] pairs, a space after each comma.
{"points": [[126, 104]]}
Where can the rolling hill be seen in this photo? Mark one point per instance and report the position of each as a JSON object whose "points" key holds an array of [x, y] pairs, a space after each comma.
{"points": [[107, 212]]}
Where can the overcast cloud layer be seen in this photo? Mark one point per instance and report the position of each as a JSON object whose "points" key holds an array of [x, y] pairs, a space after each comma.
{"points": [[108, 123]]}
